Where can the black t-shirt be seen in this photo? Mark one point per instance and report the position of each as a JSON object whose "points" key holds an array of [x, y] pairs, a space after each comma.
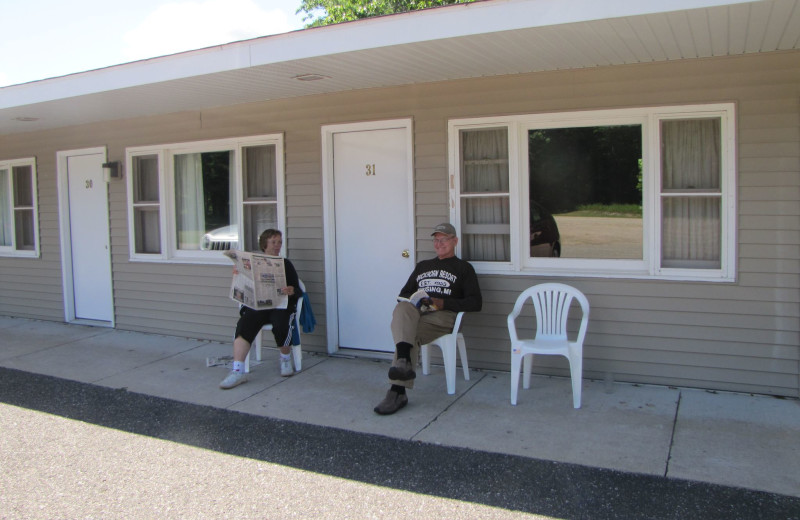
{"points": [[451, 279]]}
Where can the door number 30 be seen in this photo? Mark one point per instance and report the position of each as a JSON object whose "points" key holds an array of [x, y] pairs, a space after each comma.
{"points": [[370, 170], [89, 184]]}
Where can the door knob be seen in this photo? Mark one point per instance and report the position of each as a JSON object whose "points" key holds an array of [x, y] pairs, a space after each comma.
{"points": [[406, 254]]}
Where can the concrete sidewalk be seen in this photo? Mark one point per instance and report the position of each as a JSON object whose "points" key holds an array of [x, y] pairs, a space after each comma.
{"points": [[737, 440]]}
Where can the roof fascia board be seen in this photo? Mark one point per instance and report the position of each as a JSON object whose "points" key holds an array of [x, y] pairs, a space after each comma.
{"points": [[452, 21], [481, 17]]}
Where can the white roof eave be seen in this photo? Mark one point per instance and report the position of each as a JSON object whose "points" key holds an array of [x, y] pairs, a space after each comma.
{"points": [[300, 51]]}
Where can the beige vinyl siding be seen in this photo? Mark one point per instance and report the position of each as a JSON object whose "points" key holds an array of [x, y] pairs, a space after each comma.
{"points": [[32, 287], [740, 336]]}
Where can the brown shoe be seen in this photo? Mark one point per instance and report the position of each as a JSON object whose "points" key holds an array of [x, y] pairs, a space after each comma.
{"points": [[391, 403], [401, 370]]}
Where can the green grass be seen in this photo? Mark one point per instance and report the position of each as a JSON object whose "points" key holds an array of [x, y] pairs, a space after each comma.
{"points": [[607, 210]]}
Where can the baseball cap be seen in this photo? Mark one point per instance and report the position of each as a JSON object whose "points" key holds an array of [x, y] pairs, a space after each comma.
{"points": [[444, 227]]}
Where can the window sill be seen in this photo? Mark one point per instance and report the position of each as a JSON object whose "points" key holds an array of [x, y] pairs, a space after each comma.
{"points": [[678, 275], [19, 254], [157, 259]]}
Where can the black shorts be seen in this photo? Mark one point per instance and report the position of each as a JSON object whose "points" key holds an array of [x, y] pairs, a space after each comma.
{"points": [[251, 321]]}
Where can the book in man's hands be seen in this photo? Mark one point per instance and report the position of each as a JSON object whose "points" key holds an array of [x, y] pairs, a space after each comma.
{"points": [[420, 300]]}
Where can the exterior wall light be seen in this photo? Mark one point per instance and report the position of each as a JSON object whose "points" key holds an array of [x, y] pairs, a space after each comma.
{"points": [[112, 170]]}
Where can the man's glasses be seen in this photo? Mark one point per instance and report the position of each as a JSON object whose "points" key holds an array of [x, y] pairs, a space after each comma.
{"points": [[442, 240]]}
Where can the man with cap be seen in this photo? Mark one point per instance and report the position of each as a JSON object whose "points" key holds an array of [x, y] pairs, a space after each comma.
{"points": [[452, 287]]}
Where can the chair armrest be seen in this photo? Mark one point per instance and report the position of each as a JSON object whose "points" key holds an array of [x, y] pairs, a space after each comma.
{"points": [[457, 324], [512, 327]]}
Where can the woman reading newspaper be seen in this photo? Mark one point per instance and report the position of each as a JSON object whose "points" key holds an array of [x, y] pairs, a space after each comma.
{"points": [[251, 321]]}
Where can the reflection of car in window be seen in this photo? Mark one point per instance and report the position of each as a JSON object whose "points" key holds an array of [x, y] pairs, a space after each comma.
{"points": [[221, 239], [545, 239]]}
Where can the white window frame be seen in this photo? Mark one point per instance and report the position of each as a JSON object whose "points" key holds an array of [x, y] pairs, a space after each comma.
{"points": [[11, 250], [166, 193], [649, 118]]}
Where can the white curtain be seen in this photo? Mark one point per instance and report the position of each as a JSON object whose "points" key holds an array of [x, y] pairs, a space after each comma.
{"points": [[259, 167], [189, 201], [485, 170], [691, 224], [5, 210], [260, 193], [691, 233]]}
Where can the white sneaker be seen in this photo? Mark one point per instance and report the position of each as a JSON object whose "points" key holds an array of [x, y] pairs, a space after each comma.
{"points": [[233, 379], [286, 367]]}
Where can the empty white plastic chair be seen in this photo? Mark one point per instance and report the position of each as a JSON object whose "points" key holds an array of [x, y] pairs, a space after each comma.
{"points": [[551, 302], [297, 350], [448, 343]]}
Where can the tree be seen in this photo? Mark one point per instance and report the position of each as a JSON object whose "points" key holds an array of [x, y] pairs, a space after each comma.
{"points": [[328, 12]]}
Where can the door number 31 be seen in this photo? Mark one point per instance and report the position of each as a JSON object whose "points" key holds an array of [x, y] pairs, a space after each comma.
{"points": [[370, 170]]}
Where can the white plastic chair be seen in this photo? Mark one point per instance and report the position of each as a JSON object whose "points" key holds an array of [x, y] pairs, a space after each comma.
{"points": [[448, 343], [551, 302], [297, 350]]}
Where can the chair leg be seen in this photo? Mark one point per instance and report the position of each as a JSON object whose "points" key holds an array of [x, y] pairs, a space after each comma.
{"points": [[462, 350], [257, 345], [515, 366], [449, 354], [526, 373], [297, 352], [425, 354], [576, 374]]}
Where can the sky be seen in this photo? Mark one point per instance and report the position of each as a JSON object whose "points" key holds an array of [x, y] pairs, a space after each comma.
{"points": [[48, 38]]}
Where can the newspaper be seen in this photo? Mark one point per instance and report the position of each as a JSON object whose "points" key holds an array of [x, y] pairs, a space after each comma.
{"points": [[257, 280]]}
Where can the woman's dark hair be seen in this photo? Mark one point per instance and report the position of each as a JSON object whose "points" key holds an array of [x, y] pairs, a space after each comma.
{"points": [[266, 235]]}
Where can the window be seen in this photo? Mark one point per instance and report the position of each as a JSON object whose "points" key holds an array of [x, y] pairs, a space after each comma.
{"points": [[19, 223], [625, 193], [691, 208], [485, 197], [187, 201]]}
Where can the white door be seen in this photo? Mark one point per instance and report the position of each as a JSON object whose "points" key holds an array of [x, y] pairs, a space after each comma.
{"points": [[374, 231], [88, 273]]}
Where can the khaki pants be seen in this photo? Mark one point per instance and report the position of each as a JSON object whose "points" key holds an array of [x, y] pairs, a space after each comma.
{"points": [[411, 326]]}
